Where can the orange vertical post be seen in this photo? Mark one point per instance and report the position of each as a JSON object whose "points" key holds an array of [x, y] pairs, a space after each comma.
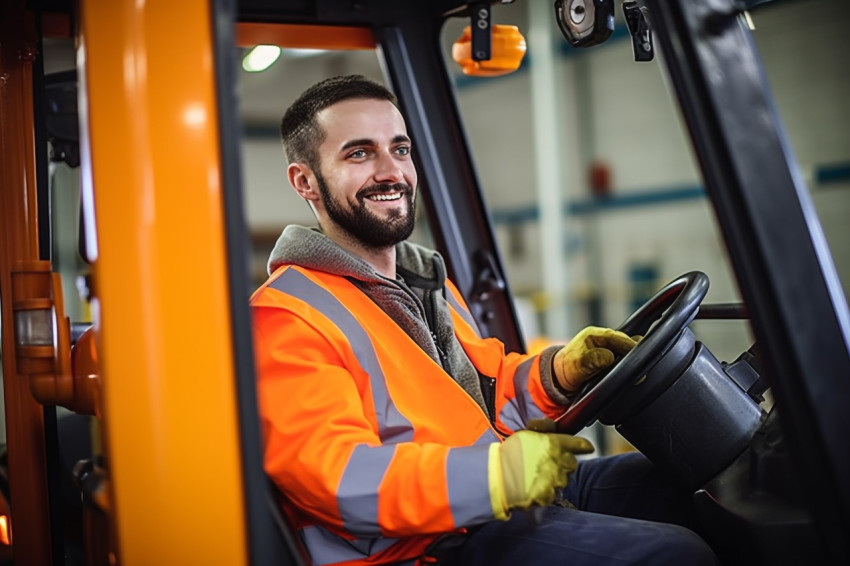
{"points": [[19, 245], [151, 168]]}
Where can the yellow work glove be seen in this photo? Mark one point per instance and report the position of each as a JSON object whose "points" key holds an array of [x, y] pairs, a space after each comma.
{"points": [[590, 351], [528, 467]]}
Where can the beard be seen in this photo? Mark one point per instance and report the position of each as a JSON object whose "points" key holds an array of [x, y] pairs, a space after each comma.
{"points": [[364, 225]]}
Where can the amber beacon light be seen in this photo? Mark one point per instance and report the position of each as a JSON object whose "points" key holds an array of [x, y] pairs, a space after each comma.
{"points": [[508, 49]]}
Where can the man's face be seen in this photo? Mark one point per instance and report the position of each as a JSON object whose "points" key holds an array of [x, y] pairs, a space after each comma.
{"points": [[366, 175]]}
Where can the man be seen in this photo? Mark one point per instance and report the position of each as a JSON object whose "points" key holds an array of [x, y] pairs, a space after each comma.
{"points": [[389, 424]]}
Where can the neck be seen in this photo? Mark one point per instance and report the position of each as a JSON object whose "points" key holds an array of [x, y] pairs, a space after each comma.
{"points": [[382, 260]]}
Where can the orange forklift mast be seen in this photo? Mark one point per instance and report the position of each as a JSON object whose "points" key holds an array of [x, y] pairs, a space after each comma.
{"points": [[20, 255], [168, 412]]}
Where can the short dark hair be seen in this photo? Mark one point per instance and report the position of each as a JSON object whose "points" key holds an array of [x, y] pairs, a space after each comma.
{"points": [[301, 134]]}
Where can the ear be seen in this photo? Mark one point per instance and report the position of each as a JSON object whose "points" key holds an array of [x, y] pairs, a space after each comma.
{"points": [[299, 175]]}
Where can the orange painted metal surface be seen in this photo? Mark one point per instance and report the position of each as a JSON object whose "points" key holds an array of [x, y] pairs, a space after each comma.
{"points": [[19, 244], [37, 290], [86, 375], [304, 36], [160, 287]]}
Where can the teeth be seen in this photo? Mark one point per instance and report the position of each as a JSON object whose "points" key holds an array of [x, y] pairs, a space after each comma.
{"points": [[394, 196]]}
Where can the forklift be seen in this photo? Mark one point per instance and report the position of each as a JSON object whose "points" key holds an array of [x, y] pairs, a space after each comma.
{"points": [[161, 366]]}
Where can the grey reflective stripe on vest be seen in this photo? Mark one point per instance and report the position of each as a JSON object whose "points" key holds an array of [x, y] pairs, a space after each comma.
{"points": [[489, 437], [521, 408], [464, 314], [392, 426], [328, 548], [357, 494], [466, 478], [469, 500], [469, 491]]}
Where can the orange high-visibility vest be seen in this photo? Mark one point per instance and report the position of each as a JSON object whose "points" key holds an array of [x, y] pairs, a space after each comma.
{"points": [[376, 448]]}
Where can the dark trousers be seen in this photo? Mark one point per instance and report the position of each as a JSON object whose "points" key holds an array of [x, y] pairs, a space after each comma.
{"points": [[628, 513]]}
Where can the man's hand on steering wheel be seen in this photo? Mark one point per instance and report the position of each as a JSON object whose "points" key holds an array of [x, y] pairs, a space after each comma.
{"points": [[661, 320], [590, 351]]}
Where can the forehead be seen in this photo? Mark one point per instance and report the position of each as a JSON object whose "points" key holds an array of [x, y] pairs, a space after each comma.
{"points": [[377, 120]]}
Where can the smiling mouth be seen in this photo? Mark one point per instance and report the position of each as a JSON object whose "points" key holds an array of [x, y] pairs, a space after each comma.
{"points": [[385, 196], [385, 192]]}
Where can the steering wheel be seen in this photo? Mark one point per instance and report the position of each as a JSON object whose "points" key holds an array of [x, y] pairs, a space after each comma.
{"points": [[674, 307]]}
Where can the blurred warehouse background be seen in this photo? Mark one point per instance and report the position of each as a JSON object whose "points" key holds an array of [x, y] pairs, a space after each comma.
{"points": [[631, 211]]}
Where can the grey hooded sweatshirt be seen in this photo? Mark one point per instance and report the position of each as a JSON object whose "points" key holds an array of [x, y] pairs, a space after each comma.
{"points": [[415, 300]]}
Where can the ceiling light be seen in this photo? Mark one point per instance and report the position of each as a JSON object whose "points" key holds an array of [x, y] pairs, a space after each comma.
{"points": [[302, 52], [260, 58]]}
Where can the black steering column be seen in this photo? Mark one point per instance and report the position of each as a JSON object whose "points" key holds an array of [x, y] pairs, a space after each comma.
{"points": [[670, 397]]}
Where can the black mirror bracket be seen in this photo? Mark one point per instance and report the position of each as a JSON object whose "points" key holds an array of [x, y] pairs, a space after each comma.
{"points": [[482, 31]]}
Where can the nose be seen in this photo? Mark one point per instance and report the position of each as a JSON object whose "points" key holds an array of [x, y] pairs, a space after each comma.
{"points": [[388, 169]]}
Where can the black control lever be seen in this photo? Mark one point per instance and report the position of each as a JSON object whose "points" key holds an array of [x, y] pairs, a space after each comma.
{"points": [[640, 31]]}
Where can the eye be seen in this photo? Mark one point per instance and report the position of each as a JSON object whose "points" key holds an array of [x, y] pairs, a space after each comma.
{"points": [[357, 154], [403, 150]]}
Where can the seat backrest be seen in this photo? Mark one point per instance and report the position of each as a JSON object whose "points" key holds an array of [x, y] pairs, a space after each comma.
{"points": [[286, 531]]}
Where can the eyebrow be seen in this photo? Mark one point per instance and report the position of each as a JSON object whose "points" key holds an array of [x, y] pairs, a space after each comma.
{"points": [[370, 142]]}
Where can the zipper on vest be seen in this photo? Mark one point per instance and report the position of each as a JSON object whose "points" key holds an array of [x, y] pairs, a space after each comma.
{"points": [[427, 306], [427, 317], [488, 391], [444, 359]]}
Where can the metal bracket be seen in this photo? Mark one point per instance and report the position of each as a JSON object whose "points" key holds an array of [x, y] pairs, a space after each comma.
{"points": [[482, 32], [487, 277], [585, 23], [640, 31]]}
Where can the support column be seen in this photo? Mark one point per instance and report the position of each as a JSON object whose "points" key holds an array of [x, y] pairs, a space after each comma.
{"points": [[549, 167]]}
